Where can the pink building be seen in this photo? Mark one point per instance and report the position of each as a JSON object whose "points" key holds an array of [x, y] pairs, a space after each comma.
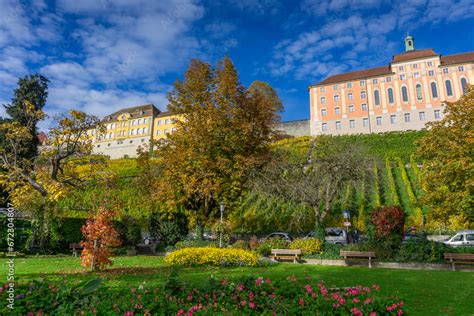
{"points": [[403, 95]]}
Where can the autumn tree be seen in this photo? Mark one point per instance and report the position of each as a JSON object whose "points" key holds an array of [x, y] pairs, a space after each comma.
{"points": [[99, 237], [447, 152], [225, 132], [317, 181]]}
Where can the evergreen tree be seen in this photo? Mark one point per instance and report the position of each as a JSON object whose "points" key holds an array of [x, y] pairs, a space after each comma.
{"points": [[34, 89]]}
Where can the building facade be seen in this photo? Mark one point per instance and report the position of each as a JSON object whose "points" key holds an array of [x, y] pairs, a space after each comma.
{"points": [[129, 129], [404, 95]]}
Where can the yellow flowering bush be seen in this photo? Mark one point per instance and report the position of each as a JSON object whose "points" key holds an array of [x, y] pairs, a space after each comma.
{"points": [[308, 246], [212, 256]]}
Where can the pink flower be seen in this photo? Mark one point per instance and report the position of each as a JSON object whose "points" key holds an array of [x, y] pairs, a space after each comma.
{"points": [[375, 287], [180, 312], [190, 297], [342, 301], [240, 287], [399, 312], [258, 281], [128, 313], [301, 302], [243, 302], [267, 280], [251, 296], [356, 311], [308, 288], [252, 305], [368, 301], [355, 300], [373, 314], [323, 290]]}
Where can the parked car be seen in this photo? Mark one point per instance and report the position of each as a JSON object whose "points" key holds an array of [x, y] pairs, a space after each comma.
{"points": [[334, 235], [462, 238], [282, 235]]}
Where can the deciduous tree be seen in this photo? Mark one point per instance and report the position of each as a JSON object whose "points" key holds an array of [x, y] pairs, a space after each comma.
{"points": [[447, 152], [225, 133]]}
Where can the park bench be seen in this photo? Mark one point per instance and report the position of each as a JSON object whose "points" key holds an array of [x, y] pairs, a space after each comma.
{"points": [[459, 258], [75, 248], [358, 255], [279, 254]]}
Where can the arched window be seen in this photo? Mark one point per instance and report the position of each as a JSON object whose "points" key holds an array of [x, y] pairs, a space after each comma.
{"points": [[390, 96], [464, 86], [419, 93], [449, 88], [404, 94], [377, 97], [434, 90]]}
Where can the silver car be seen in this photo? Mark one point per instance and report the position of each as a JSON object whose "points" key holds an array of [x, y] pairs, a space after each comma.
{"points": [[463, 238], [334, 235]]}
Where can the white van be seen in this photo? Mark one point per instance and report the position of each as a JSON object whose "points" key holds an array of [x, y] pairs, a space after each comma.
{"points": [[463, 238]]}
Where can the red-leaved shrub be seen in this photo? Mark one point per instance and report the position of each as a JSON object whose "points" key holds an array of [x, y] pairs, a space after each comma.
{"points": [[388, 221]]}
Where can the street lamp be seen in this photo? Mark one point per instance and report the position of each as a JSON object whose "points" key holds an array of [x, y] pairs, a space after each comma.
{"points": [[221, 208]]}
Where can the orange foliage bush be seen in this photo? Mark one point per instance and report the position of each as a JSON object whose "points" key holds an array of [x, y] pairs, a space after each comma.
{"points": [[99, 235]]}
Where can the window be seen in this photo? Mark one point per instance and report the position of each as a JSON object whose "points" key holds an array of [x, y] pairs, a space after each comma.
{"points": [[377, 97], [388, 79], [166, 131], [404, 94], [390, 96], [437, 114], [415, 66], [350, 96], [407, 117], [431, 73], [321, 89], [158, 122], [139, 122], [416, 75], [324, 127], [337, 110], [145, 130], [403, 77], [323, 100], [364, 106], [338, 125], [352, 124], [434, 90], [401, 68], [173, 129], [363, 94], [457, 238], [362, 83], [375, 81], [158, 132], [419, 92], [460, 68], [446, 70], [469, 237], [422, 116], [464, 86], [336, 98], [449, 88], [351, 108], [349, 85], [430, 63], [378, 120], [167, 121], [334, 87], [365, 122], [323, 112], [393, 119]]}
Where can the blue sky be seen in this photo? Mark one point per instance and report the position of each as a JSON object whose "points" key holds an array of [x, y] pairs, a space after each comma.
{"points": [[102, 55]]}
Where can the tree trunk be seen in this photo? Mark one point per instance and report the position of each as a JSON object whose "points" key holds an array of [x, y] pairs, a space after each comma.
{"points": [[199, 230]]}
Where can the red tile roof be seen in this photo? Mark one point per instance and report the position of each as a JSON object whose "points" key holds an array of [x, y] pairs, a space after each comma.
{"points": [[414, 54], [359, 74], [457, 59]]}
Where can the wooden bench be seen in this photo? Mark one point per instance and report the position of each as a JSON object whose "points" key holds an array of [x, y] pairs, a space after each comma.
{"points": [[347, 255], [75, 248], [459, 258], [294, 254]]}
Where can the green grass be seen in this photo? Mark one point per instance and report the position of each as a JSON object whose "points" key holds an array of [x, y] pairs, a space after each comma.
{"points": [[425, 292]]}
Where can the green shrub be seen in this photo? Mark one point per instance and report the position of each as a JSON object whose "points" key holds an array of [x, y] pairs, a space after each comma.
{"points": [[308, 246], [421, 251], [212, 256], [130, 232], [240, 244], [169, 231], [195, 243], [22, 235], [268, 244]]}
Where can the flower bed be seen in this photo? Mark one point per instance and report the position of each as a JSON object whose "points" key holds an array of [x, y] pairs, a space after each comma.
{"points": [[212, 256], [249, 296]]}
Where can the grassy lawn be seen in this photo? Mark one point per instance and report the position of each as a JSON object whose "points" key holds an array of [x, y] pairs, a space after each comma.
{"points": [[425, 292]]}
